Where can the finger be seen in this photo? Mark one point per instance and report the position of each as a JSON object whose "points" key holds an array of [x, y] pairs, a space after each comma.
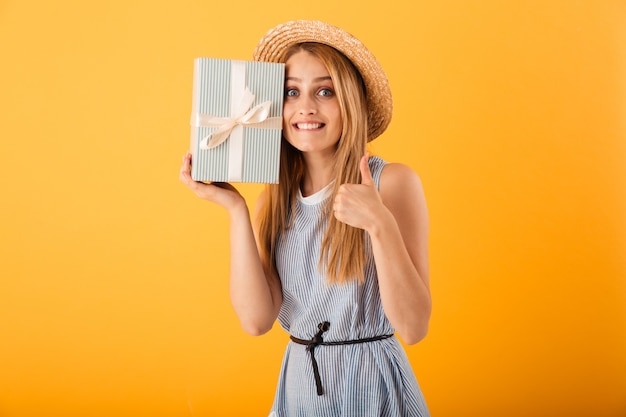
{"points": [[366, 175], [185, 168]]}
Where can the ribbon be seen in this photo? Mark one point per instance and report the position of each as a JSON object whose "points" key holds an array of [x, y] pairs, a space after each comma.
{"points": [[257, 116], [241, 115]]}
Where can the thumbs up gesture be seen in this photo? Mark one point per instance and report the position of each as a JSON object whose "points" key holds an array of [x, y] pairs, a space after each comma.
{"points": [[358, 204]]}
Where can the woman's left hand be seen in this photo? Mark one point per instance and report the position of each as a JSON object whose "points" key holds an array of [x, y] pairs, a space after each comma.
{"points": [[359, 205]]}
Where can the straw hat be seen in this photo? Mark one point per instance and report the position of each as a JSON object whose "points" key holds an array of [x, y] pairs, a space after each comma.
{"points": [[273, 45]]}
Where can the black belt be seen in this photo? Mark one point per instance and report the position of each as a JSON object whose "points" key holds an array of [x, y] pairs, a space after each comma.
{"points": [[318, 340]]}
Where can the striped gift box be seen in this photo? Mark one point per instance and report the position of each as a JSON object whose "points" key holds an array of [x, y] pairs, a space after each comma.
{"points": [[236, 120]]}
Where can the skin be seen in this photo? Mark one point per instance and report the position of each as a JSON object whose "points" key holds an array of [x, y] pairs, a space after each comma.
{"points": [[310, 100], [395, 217]]}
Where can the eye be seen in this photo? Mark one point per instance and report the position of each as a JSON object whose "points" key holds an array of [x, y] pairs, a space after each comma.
{"points": [[326, 92], [291, 92]]}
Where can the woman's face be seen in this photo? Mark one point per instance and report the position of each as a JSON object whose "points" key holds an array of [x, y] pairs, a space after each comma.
{"points": [[311, 115]]}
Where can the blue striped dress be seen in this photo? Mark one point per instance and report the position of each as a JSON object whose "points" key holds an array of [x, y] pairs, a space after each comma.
{"points": [[372, 379]]}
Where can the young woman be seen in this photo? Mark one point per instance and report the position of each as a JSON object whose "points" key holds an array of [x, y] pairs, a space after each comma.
{"points": [[339, 251]]}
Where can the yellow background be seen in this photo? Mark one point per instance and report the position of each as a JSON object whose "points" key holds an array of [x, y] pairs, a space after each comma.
{"points": [[113, 291]]}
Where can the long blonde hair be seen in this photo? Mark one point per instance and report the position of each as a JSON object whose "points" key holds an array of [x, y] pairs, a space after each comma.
{"points": [[342, 256]]}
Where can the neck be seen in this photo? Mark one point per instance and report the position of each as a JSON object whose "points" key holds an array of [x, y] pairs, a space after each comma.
{"points": [[318, 173]]}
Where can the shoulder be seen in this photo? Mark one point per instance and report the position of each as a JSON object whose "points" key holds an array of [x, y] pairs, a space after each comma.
{"points": [[401, 188], [398, 177]]}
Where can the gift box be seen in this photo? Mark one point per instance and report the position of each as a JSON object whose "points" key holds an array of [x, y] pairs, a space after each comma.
{"points": [[236, 121]]}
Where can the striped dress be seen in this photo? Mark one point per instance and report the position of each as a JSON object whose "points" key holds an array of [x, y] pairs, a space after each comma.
{"points": [[370, 379]]}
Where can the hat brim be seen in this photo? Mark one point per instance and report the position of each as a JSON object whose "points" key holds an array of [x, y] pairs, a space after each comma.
{"points": [[272, 46]]}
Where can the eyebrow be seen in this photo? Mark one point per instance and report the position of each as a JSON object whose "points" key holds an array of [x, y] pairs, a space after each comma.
{"points": [[318, 79]]}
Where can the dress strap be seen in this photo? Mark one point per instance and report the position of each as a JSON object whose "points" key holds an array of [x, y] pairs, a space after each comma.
{"points": [[317, 340]]}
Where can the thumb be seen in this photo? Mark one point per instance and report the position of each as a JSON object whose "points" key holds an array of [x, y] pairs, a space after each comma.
{"points": [[366, 175]]}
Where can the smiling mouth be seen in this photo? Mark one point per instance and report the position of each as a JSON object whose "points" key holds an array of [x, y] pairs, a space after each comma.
{"points": [[309, 126]]}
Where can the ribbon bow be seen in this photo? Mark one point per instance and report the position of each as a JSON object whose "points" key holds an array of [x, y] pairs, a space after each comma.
{"points": [[243, 115]]}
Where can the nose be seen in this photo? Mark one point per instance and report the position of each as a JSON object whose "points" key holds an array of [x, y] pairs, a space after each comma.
{"points": [[307, 105]]}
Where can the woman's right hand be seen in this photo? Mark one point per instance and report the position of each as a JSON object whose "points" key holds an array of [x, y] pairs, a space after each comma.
{"points": [[221, 193]]}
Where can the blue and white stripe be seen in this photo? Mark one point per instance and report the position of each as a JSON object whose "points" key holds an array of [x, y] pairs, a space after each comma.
{"points": [[365, 379]]}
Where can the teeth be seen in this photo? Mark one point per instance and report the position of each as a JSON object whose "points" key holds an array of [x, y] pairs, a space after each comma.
{"points": [[306, 126]]}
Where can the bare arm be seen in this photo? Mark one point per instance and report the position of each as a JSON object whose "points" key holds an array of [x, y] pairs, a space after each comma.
{"points": [[397, 222], [255, 296]]}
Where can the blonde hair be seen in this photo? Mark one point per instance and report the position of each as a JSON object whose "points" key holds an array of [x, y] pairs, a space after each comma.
{"points": [[342, 256]]}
